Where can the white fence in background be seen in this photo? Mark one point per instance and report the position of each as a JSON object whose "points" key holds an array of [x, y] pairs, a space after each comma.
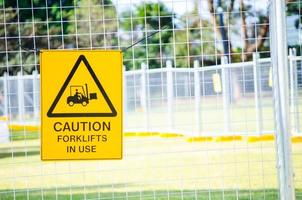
{"points": [[226, 99]]}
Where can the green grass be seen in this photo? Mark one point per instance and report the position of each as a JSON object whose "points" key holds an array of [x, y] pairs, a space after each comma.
{"points": [[242, 115], [23, 135], [269, 194], [156, 167], [152, 166]]}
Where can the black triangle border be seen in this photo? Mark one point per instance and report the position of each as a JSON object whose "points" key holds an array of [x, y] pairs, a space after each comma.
{"points": [[74, 69]]}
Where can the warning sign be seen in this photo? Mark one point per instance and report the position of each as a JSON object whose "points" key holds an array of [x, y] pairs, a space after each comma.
{"points": [[81, 105]]}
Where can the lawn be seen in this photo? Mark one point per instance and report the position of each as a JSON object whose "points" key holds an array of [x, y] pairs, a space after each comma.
{"points": [[152, 168], [242, 116], [23, 135], [149, 195]]}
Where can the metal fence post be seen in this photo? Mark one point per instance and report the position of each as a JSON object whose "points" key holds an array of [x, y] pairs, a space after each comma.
{"points": [[225, 76], [170, 94], [294, 90], [5, 94], [257, 92], [20, 97], [281, 101], [197, 99], [144, 97], [4, 134], [35, 94]]}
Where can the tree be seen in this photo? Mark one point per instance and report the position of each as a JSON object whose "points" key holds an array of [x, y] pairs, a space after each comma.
{"points": [[194, 36], [294, 8], [25, 30], [254, 31], [146, 19], [97, 24], [64, 24]]}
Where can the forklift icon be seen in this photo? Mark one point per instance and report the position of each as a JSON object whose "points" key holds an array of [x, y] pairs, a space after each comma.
{"points": [[79, 95]]}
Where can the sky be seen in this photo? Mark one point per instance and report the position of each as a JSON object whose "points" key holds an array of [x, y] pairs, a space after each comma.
{"points": [[181, 6]]}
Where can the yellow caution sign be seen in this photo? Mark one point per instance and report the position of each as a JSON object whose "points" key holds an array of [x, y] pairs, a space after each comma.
{"points": [[270, 77], [217, 83], [81, 105]]}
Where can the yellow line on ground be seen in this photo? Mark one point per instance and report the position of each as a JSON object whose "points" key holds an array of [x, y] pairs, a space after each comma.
{"points": [[297, 139], [261, 138], [140, 134], [251, 139], [200, 139], [170, 135], [16, 127], [228, 138]]}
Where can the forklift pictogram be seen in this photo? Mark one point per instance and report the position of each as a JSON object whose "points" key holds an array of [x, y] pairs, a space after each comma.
{"points": [[79, 95]]}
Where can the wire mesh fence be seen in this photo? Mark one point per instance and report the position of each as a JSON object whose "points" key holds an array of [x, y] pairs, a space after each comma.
{"points": [[192, 100], [185, 100], [204, 75], [294, 40]]}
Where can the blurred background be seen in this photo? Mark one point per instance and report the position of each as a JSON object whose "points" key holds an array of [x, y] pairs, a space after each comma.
{"points": [[188, 30], [198, 98]]}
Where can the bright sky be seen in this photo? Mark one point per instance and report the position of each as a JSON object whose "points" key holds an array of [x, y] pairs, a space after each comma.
{"points": [[180, 6]]}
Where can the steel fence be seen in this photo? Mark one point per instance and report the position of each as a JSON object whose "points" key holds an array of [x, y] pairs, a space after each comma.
{"points": [[201, 115], [190, 101], [195, 101]]}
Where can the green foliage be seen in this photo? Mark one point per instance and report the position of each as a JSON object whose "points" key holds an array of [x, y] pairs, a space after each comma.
{"points": [[147, 18], [98, 28], [227, 194], [173, 42], [34, 26], [294, 8], [23, 135], [60, 18], [245, 29], [96, 24]]}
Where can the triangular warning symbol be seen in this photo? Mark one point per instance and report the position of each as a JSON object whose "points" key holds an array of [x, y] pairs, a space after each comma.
{"points": [[82, 99]]}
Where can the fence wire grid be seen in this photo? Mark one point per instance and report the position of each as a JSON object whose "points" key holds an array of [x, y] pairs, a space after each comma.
{"points": [[198, 95]]}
